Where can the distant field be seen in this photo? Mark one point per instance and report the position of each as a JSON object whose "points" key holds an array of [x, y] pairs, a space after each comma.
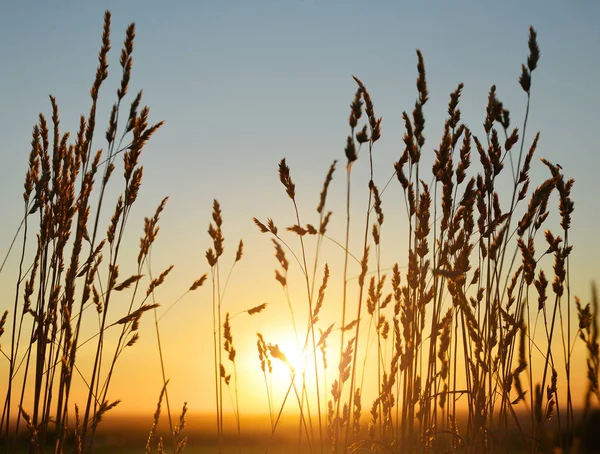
{"points": [[128, 435]]}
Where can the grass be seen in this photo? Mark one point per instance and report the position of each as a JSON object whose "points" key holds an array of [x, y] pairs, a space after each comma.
{"points": [[468, 350]]}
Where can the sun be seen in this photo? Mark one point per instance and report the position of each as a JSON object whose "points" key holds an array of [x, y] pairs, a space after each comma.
{"points": [[286, 354], [283, 358]]}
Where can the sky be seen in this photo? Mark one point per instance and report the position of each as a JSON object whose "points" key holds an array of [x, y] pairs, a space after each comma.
{"points": [[241, 85]]}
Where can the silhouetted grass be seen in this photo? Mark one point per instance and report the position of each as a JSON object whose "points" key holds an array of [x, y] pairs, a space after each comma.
{"points": [[469, 346]]}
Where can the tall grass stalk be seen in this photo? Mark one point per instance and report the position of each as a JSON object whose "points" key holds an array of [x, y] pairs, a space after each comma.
{"points": [[69, 253]]}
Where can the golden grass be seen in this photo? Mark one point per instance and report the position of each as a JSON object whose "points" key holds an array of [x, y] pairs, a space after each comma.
{"points": [[450, 341]]}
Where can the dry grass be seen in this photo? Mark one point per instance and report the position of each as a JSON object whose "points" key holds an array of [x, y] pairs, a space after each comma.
{"points": [[455, 343], [74, 273], [461, 334]]}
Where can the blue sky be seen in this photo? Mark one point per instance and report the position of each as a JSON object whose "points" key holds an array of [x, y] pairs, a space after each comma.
{"points": [[243, 84]]}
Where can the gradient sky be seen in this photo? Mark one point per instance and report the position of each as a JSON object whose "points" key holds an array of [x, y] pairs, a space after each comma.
{"points": [[242, 84]]}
